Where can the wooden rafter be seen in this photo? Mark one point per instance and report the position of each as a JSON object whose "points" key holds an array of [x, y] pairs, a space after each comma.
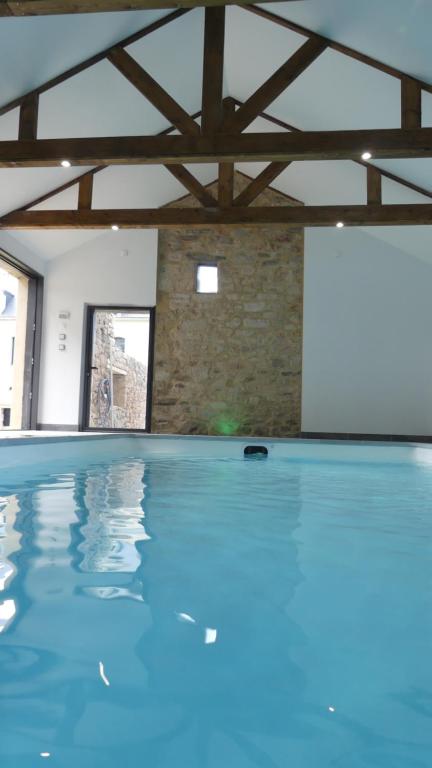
{"points": [[374, 186], [226, 170], [192, 185], [154, 92], [411, 103], [28, 117], [226, 184], [296, 216], [149, 29], [50, 7], [92, 60], [85, 192], [219, 140], [275, 85], [75, 181], [260, 183], [245, 197], [246, 147], [213, 69], [214, 108], [384, 173]]}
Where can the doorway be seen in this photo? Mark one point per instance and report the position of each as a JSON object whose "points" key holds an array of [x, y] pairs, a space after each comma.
{"points": [[118, 369], [20, 321]]}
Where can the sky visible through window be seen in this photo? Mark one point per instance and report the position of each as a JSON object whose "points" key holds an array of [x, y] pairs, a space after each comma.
{"points": [[207, 278]]}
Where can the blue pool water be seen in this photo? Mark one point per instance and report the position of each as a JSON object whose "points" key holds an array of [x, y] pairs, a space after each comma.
{"points": [[184, 613]]}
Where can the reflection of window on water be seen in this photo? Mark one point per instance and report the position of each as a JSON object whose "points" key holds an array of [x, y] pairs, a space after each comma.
{"points": [[113, 524], [7, 612], [120, 343]]}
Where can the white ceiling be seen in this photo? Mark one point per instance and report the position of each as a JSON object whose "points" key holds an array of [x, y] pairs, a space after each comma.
{"points": [[35, 49], [396, 32], [336, 92]]}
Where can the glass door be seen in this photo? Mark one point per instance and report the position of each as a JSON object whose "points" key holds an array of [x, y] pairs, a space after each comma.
{"points": [[118, 370], [20, 295]]}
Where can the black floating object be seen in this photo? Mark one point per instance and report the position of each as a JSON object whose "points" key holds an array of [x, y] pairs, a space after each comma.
{"points": [[256, 450]]}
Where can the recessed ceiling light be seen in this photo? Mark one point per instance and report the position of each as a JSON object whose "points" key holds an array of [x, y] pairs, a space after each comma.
{"points": [[115, 227], [366, 155], [340, 224], [65, 163]]}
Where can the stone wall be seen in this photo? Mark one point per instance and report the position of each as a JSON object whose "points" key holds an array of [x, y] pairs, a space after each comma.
{"points": [[120, 403], [230, 363]]}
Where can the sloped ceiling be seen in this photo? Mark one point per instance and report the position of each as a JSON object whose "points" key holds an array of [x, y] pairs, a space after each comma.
{"points": [[334, 93], [396, 32], [33, 50]]}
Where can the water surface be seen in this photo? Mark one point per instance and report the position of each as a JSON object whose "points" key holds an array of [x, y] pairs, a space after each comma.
{"points": [[184, 613]]}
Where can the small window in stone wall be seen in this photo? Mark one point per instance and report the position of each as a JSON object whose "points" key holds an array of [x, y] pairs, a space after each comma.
{"points": [[120, 343], [207, 278]]}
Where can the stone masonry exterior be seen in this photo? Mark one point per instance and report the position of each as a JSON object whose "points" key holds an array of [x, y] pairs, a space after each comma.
{"points": [[231, 362], [119, 384]]}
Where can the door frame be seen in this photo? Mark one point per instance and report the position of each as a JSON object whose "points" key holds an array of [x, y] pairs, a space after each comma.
{"points": [[89, 313], [33, 341]]}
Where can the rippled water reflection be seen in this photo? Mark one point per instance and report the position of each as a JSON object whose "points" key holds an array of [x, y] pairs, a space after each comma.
{"points": [[216, 613]]}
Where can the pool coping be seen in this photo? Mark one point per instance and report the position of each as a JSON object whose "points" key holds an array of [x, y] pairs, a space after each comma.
{"points": [[14, 439]]}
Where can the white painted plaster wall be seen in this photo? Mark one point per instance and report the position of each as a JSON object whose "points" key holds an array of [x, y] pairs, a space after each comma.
{"points": [[117, 268], [12, 247], [367, 358]]}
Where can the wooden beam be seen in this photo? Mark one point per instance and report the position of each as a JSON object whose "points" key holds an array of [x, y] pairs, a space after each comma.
{"points": [[154, 92], [28, 117], [213, 68], [226, 170], [385, 174], [77, 179], [92, 60], [192, 185], [51, 7], [374, 186], [333, 44], [411, 103], [293, 216], [275, 85], [85, 192], [260, 183], [246, 147], [226, 184]]}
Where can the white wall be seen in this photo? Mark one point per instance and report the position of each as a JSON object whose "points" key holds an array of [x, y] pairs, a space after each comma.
{"points": [[12, 247], [116, 268], [367, 356]]}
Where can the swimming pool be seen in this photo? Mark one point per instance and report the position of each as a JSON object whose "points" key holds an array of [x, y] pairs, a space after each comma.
{"points": [[166, 602]]}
